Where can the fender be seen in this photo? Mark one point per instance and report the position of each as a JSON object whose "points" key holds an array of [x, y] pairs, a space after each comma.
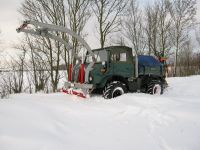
{"points": [[148, 78], [110, 78]]}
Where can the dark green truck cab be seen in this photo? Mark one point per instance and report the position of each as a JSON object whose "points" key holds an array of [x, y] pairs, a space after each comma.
{"points": [[117, 71]]}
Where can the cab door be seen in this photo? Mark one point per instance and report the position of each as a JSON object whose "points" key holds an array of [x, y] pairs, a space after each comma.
{"points": [[122, 64]]}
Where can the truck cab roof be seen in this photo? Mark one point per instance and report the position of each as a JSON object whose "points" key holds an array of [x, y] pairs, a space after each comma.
{"points": [[113, 48]]}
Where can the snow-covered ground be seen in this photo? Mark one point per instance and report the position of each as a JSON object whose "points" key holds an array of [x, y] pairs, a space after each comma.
{"points": [[130, 122]]}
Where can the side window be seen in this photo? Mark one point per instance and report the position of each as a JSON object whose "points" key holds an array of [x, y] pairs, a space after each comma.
{"points": [[119, 57], [100, 56], [113, 57], [123, 57]]}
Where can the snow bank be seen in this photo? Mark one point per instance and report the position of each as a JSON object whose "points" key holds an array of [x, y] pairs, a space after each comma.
{"points": [[132, 121]]}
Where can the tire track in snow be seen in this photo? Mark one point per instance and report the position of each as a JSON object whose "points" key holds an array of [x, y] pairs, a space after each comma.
{"points": [[157, 118]]}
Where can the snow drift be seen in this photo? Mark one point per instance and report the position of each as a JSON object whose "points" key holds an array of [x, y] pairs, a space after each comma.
{"points": [[132, 121]]}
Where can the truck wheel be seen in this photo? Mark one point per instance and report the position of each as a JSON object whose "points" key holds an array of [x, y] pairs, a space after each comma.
{"points": [[155, 87], [114, 89]]}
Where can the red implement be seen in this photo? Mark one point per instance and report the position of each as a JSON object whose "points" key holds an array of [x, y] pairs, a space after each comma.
{"points": [[82, 73], [73, 92], [81, 79]]}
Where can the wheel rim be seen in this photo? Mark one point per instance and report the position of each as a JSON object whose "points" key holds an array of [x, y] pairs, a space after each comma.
{"points": [[157, 89], [117, 92]]}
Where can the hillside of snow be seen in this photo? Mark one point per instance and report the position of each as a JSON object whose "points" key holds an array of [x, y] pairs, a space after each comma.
{"points": [[130, 122]]}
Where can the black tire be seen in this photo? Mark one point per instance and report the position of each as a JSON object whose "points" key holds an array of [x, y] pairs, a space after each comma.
{"points": [[155, 87], [114, 89]]}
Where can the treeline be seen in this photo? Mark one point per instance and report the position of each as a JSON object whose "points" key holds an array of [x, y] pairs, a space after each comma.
{"points": [[163, 28]]}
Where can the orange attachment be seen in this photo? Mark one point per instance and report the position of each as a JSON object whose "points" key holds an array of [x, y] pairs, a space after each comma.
{"points": [[162, 59], [81, 74]]}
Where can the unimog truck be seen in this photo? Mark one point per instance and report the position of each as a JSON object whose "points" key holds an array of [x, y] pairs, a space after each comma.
{"points": [[116, 71], [111, 71]]}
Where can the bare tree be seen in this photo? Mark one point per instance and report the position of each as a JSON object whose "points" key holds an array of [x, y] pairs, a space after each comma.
{"points": [[108, 14], [133, 26], [59, 12], [158, 27], [12, 80], [78, 15], [197, 33], [0, 48], [151, 28], [5, 88], [0, 34], [16, 78], [52, 12], [182, 13], [1, 42], [197, 62], [185, 59], [36, 66], [197, 55], [164, 28]]}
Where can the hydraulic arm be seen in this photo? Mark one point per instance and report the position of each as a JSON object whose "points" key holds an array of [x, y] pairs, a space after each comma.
{"points": [[42, 29]]}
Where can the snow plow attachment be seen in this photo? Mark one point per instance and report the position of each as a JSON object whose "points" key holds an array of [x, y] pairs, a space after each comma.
{"points": [[76, 74], [76, 80], [78, 89]]}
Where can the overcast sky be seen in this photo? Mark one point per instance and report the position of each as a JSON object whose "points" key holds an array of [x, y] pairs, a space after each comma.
{"points": [[10, 20]]}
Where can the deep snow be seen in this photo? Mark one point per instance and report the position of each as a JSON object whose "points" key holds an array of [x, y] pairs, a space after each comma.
{"points": [[130, 122]]}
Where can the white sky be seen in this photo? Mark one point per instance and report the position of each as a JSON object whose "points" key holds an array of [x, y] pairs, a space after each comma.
{"points": [[10, 20]]}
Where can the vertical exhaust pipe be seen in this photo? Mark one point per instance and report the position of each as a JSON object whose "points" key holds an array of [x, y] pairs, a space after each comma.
{"points": [[137, 74], [136, 66]]}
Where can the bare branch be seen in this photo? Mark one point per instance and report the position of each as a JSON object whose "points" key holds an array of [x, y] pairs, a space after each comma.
{"points": [[107, 13], [183, 14]]}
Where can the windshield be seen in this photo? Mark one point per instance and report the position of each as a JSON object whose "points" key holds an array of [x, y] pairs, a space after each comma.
{"points": [[100, 56]]}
